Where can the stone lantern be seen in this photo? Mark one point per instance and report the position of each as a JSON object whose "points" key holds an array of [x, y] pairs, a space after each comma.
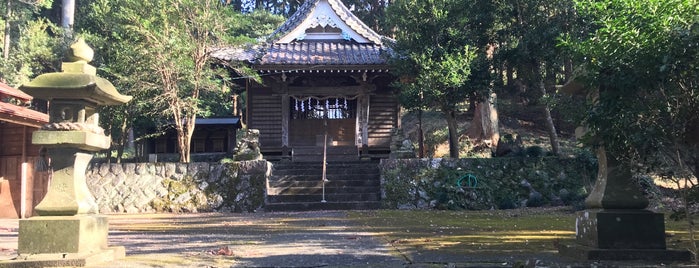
{"points": [[68, 223], [615, 224]]}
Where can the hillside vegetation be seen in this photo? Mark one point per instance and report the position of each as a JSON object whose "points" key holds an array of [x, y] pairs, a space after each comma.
{"points": [[525, 121]]}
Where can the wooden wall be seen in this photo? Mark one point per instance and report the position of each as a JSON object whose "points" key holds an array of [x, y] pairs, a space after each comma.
{"points": [[266, 116], [14, 140], [383, 117]]}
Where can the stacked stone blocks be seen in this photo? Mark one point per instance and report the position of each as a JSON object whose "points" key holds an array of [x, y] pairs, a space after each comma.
{"points": [[179, 187]]}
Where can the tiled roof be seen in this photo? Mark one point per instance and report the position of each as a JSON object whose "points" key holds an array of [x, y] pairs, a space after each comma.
{"points": [[322, 54], [317, 53], [340, 9], [328, 54], [22, 115], [13, 92]]}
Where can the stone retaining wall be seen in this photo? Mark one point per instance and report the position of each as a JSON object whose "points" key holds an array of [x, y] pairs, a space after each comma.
{"points": [[495, 183], [179, 187]]}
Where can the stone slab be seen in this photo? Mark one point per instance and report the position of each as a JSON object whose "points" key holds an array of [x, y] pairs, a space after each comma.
{"points": [[65, 260], [63, 234], [586, 253], [620, 229], [78, 139]]}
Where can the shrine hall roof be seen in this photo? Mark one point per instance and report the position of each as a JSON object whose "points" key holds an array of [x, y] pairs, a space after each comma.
{"points": [[13, 92], [18, 114], [340, 10], [22, 115], [309, 53], [352, 45]]}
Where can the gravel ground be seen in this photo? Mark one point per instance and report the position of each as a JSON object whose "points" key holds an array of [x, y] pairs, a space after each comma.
{"points": [[295, 239]]}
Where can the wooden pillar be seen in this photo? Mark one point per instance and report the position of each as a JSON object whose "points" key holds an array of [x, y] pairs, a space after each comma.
{"points": [[285, 122], [23, 176], [363, 128]]}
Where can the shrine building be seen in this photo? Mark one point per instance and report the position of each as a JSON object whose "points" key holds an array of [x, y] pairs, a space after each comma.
{"points": [[322, 71]]}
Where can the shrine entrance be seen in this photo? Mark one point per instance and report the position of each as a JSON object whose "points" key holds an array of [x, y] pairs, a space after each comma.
{"points": [[311, 116]]}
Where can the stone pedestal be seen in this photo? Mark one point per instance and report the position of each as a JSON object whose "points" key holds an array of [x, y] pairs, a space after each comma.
{"points": [[621, 235], [64, 241], [63, 234], [628, 229], [615, 225]]}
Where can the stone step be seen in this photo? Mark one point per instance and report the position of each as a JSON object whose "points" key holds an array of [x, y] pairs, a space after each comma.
{"points": [[328, 173], [318, 183], [318, 177], [300, 198], [298, 186], [317, 190], [305, 206], [334, 154], [319, 165]]}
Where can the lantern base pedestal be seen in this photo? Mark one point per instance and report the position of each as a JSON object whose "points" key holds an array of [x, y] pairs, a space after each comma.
{"points": [[64, 241], [621, 235]]}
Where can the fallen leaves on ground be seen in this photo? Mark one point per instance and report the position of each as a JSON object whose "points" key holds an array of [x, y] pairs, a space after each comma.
{"points": [[222, 251]]}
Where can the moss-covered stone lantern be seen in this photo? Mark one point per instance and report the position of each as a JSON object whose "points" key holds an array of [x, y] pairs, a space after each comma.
{"points": [[68, 222]]}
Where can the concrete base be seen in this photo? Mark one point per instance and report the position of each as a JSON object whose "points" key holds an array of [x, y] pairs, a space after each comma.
{"points": [[621, 235], [63, 234], [620, 229], [585, 253], [66, 259]]}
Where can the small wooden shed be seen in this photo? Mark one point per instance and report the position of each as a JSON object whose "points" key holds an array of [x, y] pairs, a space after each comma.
{"points": [[323, 71], [21, 188]]}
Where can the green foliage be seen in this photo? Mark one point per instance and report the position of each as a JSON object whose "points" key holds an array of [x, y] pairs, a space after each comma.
{"points": [[641, 62], [159, 52], [432, 57], [35, 50]]}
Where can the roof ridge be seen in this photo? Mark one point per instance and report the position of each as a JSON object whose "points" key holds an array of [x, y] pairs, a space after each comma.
{"points": [[340, 10]]}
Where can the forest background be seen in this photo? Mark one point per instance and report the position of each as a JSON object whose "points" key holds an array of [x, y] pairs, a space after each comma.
{"points": [[633, 64]]}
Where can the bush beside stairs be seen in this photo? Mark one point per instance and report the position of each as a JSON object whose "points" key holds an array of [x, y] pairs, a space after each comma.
{"points": [[298, 186]]}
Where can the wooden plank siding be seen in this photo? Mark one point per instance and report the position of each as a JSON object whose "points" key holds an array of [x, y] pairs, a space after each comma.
{"points": [[266, 116], [11, 167], [383, 117]]}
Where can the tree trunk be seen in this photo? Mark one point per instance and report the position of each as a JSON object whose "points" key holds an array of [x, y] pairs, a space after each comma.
{"points": [[68, 17], [420, 135], [190, 124], [122, 141], [510, 75], [453, 134], [568, 71], [485, 124], [551, 128], [8, 28]]}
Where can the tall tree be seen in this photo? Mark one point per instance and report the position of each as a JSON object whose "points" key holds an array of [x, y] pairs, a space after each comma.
{"points": [[433, 57], [641, 64], [159, 53], [371, 12], [529, 45], [174, 41], [30, 46]]}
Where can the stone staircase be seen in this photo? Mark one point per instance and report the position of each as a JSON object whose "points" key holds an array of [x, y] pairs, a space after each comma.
{"points": [[298, 186], [334, 153]]}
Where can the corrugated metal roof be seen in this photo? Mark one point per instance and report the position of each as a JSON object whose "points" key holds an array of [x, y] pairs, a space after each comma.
{"points": [[13, 92], [22, 115], [218, 121]]}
